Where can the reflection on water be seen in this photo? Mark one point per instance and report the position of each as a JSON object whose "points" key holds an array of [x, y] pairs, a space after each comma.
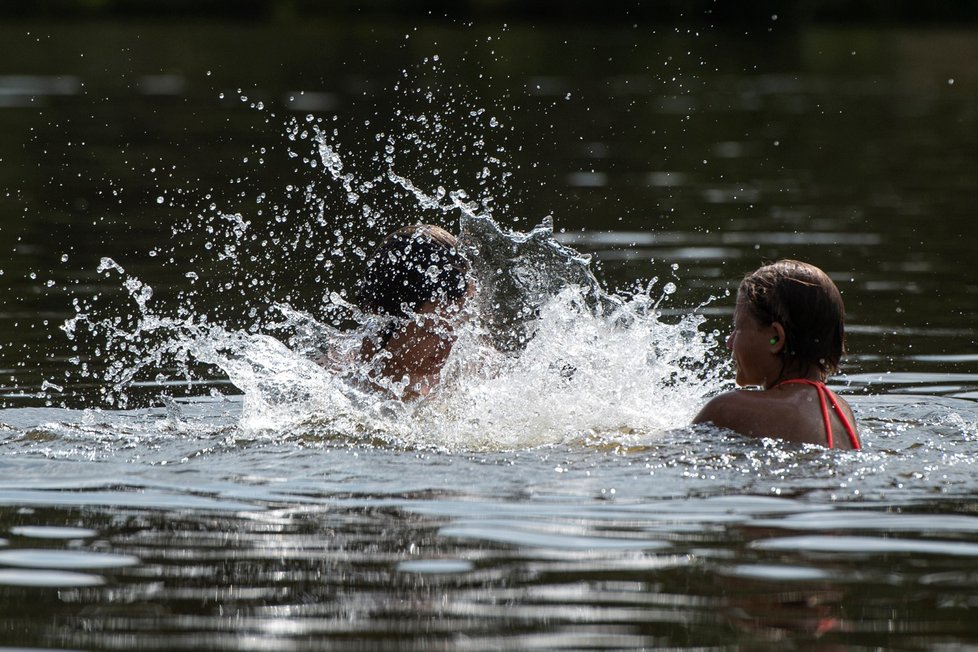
{"points": [[541, 515], [28, 90], [426, 571]]}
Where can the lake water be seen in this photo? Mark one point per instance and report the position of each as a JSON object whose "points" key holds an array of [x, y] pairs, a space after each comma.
{"points": [[183, 207]]}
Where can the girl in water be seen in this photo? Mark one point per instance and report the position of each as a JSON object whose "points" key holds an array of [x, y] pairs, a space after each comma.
{"points": [[416, 284], [788, 339]]}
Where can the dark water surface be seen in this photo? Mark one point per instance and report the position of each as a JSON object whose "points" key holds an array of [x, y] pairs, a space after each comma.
{"points": [[189, 517]]}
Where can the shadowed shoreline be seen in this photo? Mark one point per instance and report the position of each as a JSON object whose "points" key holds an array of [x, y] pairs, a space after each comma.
{"points": [[699, 12]]}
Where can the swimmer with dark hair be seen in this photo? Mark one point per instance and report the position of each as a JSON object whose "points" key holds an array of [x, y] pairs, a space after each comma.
{"points": [[788, 338], [416, 283]]}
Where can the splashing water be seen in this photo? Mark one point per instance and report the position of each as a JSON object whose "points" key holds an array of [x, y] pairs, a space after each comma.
{"points": [[620, 377], [546, 357]]}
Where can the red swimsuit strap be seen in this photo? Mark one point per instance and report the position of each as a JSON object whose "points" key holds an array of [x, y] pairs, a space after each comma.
{"points": [[825, 395]]}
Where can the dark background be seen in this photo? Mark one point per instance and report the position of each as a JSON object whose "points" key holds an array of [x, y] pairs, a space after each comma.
{"points": [[701, 11]]}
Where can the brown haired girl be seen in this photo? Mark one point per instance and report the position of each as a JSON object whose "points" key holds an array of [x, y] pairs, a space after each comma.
{"points": [[788, 338]]}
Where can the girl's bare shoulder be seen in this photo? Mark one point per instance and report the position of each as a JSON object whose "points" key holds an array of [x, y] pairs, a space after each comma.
{"points": [[751, 412], [731, 407]]}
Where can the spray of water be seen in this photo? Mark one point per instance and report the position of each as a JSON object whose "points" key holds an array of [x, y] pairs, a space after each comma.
{"points": [[545, 355]]}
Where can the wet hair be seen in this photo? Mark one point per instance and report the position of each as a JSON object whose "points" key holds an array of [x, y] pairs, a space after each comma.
{"points": [[805, 301], [410, 267]]}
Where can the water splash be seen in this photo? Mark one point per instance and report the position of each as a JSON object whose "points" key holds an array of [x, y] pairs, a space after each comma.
{"points": [[547, 356], [520, 272], [621, 376], [576, 363]]}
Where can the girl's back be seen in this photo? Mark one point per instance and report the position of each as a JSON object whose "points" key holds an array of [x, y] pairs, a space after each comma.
{"points": [[789, 411]]}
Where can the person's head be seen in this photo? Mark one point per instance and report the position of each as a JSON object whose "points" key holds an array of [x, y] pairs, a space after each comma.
{"points": [[799, 314], [417, 280], [414, 269]]}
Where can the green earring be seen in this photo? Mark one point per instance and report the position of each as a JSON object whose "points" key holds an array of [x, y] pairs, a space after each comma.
{"points": [[774, 340]]}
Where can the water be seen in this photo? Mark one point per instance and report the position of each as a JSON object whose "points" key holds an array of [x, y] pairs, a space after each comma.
{"points": [[178, 475]]}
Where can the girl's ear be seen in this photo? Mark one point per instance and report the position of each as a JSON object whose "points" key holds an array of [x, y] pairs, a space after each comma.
{"points": [[777, 338]]}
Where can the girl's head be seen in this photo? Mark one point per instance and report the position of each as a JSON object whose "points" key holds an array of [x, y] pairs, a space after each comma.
{"points": [[413, 267], [807, 304]]}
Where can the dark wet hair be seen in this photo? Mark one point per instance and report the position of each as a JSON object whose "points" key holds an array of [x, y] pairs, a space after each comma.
{"points": [[805, 301], [410, 267]]}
